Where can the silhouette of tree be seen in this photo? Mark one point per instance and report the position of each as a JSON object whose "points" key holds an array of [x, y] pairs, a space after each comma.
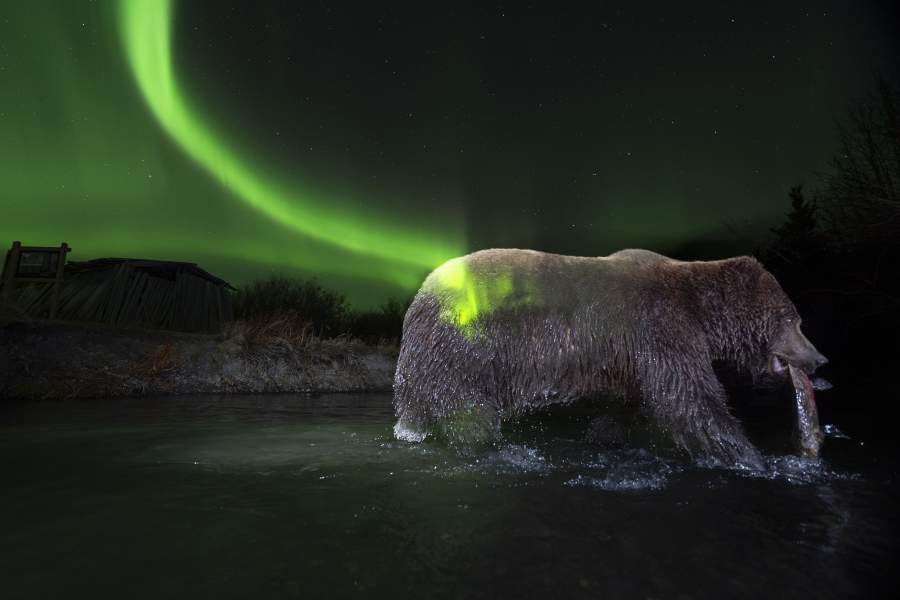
{"points": [[862, 188], [837, 250], [799, 238]]}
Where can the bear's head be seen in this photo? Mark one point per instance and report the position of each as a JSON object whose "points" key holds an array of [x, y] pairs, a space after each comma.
{"points": [[759, 326], [788, 346]]}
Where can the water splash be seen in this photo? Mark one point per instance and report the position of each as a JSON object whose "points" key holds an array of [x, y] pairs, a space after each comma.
{"points": [[833, 432], [797, 470], [626, 471], [509, 459]]}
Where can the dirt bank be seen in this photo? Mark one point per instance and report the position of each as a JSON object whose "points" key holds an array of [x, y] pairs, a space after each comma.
{"points": [[57, 360]]}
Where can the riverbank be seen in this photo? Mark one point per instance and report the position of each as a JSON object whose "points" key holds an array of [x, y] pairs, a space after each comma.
{"points": [[44, 360]]}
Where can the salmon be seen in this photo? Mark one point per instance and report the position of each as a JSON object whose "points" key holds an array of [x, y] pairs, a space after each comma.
{"points": [[808, 433]]}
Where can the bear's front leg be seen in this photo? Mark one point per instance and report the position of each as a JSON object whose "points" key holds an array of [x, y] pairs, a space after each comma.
{"points": [[690, 405]]}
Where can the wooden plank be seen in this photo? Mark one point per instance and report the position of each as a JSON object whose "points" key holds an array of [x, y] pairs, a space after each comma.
{"points": [[158, 296], [60, 266], [40, 248], [205, 307], [143, 308], [9, 269], [189, 314], [177, 308], [229, 305], [165, 291], [123, 281], [107, 298], [92, 308], [219, 309], [166, 302], [36, 279], [130, 300], [29, 298]]}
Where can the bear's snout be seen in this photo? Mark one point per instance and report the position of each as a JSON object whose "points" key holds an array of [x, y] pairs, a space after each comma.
{"points": [[809, 359], [793, 348]]}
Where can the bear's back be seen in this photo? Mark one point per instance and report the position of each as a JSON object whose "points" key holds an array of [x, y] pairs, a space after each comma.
{"points": [[480, 284]]}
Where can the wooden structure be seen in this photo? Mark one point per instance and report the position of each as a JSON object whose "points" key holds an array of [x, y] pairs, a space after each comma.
{"points": [[36, 265], [151, 294]]}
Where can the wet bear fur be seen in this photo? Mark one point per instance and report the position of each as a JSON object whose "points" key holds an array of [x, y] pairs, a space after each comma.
{"points": [[635, 325]]}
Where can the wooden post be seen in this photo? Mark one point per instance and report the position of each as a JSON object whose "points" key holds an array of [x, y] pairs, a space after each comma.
{"points": [[60, 267], [9, 270]]}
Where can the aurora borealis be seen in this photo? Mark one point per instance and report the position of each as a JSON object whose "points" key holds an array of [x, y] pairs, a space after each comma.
{"points": [[145, 27], [366, 144]]}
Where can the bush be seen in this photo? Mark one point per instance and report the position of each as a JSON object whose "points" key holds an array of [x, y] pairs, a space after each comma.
{"points": [[384, 324], [326, 312]]}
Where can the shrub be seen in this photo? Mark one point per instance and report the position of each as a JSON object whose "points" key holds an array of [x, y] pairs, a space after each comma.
{"points": [[278, 303], [384, 324], [325, 311]]}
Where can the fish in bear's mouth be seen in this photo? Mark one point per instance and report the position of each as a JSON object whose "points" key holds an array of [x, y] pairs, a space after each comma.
{"points": [[807, 432]]}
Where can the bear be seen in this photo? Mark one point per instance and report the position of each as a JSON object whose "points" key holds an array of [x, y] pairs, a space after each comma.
{"points": [[498, 333]]}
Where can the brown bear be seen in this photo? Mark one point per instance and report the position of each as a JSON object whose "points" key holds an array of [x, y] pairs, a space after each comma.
{"points": [[497, 333]]}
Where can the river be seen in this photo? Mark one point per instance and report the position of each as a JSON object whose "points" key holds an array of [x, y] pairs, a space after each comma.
{"points": [[311, 497]]}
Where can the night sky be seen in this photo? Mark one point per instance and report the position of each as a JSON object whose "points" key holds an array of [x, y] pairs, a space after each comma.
{"points": [[365, 143]]}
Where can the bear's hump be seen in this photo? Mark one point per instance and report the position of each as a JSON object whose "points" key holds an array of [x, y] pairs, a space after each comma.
{"points": [[471, 287], [639, 255]]}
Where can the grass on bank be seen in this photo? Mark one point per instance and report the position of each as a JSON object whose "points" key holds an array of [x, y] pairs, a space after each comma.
{"points": [[283, 313]]}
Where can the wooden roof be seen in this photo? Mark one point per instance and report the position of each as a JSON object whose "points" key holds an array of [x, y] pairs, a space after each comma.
{"points": [[166, 269]]}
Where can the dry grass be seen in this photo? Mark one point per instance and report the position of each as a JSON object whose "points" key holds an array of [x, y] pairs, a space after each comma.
{"points": [[282, 330], [157, 361], [287, 332]]}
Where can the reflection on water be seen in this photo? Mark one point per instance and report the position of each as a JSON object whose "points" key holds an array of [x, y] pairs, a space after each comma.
{"points": [[299, 496]]}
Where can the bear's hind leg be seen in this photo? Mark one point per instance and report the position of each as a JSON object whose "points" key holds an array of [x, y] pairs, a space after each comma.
{"points": [[463, 419], [408, 431], [414, 418]]}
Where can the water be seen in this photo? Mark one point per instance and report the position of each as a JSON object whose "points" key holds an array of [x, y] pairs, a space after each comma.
{"points": [[298, 496]]}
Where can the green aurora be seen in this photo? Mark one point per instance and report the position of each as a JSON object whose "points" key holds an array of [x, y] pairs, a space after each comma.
{"points": [[84, 163], [146, 34]]}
